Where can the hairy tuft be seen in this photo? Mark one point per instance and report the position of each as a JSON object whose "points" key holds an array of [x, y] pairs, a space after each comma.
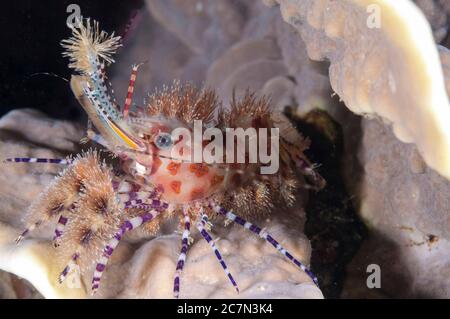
{"points": [[183, 102], [89, 44]]}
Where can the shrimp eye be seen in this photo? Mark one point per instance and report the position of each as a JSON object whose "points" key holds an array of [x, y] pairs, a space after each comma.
{"points": [[163, 140]]}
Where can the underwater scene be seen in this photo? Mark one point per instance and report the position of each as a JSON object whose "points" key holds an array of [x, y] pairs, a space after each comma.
{"points": [[225, 149]]}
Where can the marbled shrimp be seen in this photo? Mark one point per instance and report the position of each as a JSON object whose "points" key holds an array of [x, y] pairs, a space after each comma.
{"points": [[95, 203]]}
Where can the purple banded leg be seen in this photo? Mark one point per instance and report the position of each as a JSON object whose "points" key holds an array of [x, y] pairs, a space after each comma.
{"points": [[201, 228], [143, 200], [182, 257], [155, 204], [37, 160], [128, 190], [55, 211], [26, 231], [128, 197], [66, 270], [62, 221], [22, 235], [115, 184], [257, 230], [109, 249]]}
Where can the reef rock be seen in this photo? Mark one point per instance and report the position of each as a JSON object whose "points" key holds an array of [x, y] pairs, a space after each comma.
{"points": [[406, 207], [438, 14], [383, 62]]}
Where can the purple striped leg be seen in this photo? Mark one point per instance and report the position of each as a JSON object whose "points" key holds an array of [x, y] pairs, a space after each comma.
{"points": [[263, 234], [24, 233], [38, 160], [109, 249], [132, 196], [55, 211], [148, 204], [66, 270], [182, 258], [27, 230], [201, 228], [62, 221]]}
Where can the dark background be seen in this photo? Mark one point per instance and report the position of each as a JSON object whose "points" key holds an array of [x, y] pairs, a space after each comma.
{"points": [[30, 35]]}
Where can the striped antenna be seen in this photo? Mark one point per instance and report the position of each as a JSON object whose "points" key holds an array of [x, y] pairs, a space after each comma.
{"points": [[129, 98], [38, 160]]}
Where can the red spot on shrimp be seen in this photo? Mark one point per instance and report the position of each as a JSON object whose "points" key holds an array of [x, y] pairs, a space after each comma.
{"points": [[197, 193], [173, 168], [216, 180], [176, 186], [198, 169]]}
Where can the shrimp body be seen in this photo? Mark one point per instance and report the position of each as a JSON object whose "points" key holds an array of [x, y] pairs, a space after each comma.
{"points": [[168, 164], [160, 174]]}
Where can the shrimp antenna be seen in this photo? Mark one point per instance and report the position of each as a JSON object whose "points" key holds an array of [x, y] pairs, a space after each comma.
{"points": [[48, 74]]}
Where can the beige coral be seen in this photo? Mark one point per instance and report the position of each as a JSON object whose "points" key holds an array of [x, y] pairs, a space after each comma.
{"points": [[391, 70], [445, 60]]}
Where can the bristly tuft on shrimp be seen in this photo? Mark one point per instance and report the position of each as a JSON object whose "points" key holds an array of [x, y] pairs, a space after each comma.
{"points": [[94, 205], [88, 44]]}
